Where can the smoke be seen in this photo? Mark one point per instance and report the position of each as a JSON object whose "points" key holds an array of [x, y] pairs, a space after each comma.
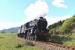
{"points": [[40, 8], [34, 10]]}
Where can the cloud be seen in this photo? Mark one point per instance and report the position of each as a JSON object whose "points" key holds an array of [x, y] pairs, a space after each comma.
{"points": [[59, 3], [55, 19], [36, 9]]}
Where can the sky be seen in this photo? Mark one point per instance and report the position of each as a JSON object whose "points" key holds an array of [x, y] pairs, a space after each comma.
{"points": [[14, 13]]}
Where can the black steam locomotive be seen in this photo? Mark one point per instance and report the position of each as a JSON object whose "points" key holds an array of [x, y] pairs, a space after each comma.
{"points": [[34, 30]]}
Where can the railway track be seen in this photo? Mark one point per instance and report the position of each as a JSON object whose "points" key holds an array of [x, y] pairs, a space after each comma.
{"points": [[50, 45]]}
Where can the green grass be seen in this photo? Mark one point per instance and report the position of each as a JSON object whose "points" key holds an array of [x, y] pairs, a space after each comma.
{"points": [[9, 41]]}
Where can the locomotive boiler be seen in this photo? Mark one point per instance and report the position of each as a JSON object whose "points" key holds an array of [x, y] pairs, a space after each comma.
{"points": [[34, 30]]}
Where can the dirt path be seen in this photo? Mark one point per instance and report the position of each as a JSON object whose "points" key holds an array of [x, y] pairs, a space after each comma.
{"points": [[47, 46], [50, 46]]}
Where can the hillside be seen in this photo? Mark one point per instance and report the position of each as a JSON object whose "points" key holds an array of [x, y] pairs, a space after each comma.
{"points": [[14, 29], [63, 32], [65, 26]]}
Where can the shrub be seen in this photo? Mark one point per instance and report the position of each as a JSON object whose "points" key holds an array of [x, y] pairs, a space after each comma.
{"points": [[19, 46]]}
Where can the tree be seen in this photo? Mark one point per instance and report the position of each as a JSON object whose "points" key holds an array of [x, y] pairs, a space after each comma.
{"points": [[67, 25]]}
